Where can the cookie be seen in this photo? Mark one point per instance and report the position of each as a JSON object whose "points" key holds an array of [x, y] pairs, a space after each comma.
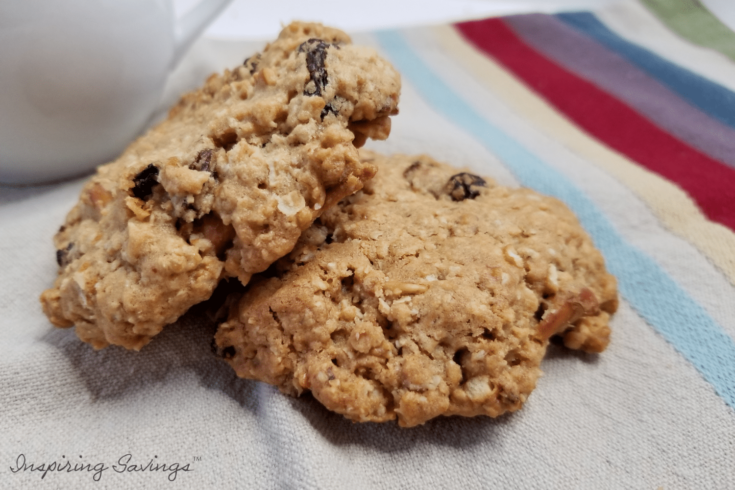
{"points": [[223, 187], [431, 292]]}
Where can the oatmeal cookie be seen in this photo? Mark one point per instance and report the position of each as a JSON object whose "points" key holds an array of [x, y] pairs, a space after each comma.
{"points": [[223, 187], [430, 292]]}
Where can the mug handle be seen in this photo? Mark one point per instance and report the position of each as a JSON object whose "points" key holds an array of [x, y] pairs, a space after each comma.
{"points": [[190, 25]]}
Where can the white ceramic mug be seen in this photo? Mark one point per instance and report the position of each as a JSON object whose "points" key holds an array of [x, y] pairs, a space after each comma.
{"points": [[79, 79]]}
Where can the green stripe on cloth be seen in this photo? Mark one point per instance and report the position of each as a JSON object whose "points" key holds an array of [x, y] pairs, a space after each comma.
{"points": [[692, 21]]}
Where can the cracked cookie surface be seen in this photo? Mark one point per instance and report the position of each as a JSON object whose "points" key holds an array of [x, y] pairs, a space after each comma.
{"points": [[223, 187], [430, 292]]}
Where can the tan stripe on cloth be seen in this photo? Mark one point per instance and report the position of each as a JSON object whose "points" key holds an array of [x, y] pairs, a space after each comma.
{"points": [[669, 203]]}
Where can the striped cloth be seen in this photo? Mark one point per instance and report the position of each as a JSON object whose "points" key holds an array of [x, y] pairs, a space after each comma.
{"points": [[627, 114], [635, 91]]}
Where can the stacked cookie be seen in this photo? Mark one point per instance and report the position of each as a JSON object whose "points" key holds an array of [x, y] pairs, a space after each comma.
{"points": [[429, 292], [223, 187]]}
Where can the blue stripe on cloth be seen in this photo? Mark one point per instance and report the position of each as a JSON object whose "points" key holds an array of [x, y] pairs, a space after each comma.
{"points": [[649, 290], [708, 96]]}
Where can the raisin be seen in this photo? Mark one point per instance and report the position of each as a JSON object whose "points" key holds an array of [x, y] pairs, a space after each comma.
{"points": [[62, 255], [253, 60], [203, 161], [145, 181], [464, 186], [327, 109], [316, 54]]}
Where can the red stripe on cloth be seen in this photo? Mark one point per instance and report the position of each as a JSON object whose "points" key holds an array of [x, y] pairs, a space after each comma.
{"points": [[710, 183]]}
